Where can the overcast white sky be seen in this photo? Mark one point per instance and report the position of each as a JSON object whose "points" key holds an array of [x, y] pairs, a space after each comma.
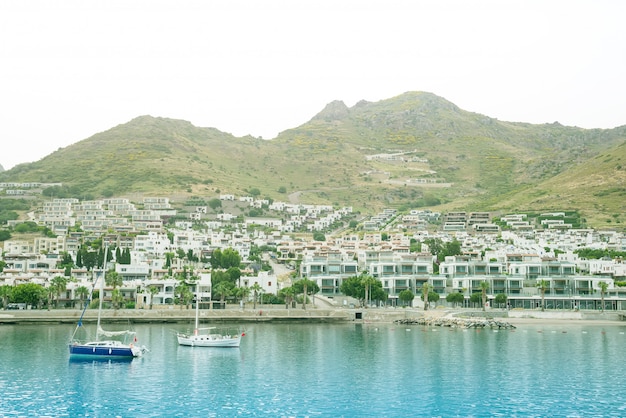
{"points": [[72, 68]]}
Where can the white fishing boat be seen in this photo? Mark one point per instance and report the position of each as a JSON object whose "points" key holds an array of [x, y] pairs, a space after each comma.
{"points": [[102, 348], [210, 336]]}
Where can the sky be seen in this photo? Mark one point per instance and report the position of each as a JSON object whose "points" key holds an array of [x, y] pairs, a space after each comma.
{"points": [[72, 68]]}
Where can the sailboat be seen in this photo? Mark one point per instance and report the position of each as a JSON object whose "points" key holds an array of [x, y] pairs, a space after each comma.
{"points": [[210, 336], [104, 348]]}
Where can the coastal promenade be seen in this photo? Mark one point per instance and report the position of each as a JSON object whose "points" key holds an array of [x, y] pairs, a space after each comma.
{"points": [[311, 314], [174, 315]]}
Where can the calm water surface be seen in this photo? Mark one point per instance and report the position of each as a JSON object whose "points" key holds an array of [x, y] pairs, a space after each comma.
{"points": [[319, 370]]}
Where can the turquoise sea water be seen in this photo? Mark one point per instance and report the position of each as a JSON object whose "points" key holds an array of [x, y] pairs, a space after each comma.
{"points": [[324, 370]]}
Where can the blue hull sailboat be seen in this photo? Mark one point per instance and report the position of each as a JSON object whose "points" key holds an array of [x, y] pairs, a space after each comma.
{"points": [[104, 348]]}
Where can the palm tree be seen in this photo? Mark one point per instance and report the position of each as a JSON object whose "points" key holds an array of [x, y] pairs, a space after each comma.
{"points": [[222, 289], [425, 291], [184, 294], [603, 288], [82, 292], [305, 291], [367, 281], [543, 285], [242, 294], [112, 278], [288, 293], [153, 290], [256, 288], [483, 288], [58, 285], [116, 298], [5, 293], [305, 285], [50, 290]]}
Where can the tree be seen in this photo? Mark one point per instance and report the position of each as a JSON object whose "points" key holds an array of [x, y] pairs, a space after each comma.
{"points": [[306, 287], [153, 290], [319, 236], [4, 234], [355, 287], [83, 293], [185, 296], [225, 259], [441, 250], [543, 285], [406, 296], [116, 298], [5, 294], [215, 203], [168, 259], [223, 289], [242, 293], [377, 292], [500, 299], [29, 293], [234, 273], [256, 288], [425, 290], [113, 279], [451, 248], [57, 285], [435, 246], [88, 258], [368, 281], [603, 288], [455, 298], [483, 292], [102, 256], [67, 263], [125, 257], [49, 296], [433, 297], [218, 276], [475, 298], [191, 256], [79, 258], [216, 258], [287, 293], [230, 258]]}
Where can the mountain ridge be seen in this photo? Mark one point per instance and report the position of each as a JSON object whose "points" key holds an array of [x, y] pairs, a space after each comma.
{"points": [[412, 150]]}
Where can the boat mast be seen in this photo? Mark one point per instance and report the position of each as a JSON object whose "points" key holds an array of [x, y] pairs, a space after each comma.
{"points": [[101, 295], [195, 332]]}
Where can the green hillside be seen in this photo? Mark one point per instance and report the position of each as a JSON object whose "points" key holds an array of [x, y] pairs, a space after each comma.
{"points": [[596, 186], [413, 150]]}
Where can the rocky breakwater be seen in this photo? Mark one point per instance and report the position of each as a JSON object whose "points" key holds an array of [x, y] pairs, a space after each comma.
{"points": [[451, 322]]}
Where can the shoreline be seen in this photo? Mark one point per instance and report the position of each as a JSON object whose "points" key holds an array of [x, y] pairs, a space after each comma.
{"points": [[548, 321], [312, 314]]}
